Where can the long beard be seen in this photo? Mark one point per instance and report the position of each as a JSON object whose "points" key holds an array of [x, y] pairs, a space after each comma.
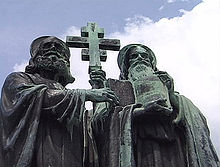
{"points": [[140, 70], [58, 69], [49, 65]]}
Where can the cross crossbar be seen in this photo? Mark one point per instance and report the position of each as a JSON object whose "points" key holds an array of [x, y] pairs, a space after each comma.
{"points": [[92, 38]]}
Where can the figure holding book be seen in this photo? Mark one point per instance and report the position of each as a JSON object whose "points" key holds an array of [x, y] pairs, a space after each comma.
{"points": [[153, 125]]}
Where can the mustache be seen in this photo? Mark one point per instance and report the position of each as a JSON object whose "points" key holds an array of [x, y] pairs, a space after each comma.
{"points": [[53, 65], [51, 52], [147, 63]]}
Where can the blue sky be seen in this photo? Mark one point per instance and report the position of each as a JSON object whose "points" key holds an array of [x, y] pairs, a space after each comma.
{"points": [[184, 34], [22, 22]]}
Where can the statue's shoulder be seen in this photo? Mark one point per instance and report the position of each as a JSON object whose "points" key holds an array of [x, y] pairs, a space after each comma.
{"points": [[15, 77], [20, 75]]}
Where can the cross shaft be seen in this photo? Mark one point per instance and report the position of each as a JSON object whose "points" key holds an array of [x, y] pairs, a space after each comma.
{"points": [[92, 38]]}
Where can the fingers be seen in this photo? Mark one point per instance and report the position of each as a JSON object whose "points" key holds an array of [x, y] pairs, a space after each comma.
{"points": [[155, 107], [111, 97], [166, 79], [97, 78], [162, 73], [163, 109], [161, 101], [102, 95], [165, 76], [98, 74]]}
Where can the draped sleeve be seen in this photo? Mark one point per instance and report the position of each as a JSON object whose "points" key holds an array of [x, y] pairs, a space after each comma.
{"points": [[22, 104], [199, 148]]}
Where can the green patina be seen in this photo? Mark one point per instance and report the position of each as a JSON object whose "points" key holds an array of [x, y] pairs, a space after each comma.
{"points": [[92, 38]]}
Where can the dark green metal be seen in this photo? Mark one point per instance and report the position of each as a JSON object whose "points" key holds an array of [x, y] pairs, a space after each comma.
{"points": [[92, 38]]}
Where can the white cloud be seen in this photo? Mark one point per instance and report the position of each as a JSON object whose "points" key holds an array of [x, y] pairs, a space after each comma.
{"points": [[161, 8], [21, 66], [183, 11], [171, 1], [78, 68], [188, 48]]}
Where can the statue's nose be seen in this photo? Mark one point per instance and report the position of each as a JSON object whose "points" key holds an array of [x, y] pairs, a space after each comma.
{"points": [[140, 57], [53, 58], [53, 47]]}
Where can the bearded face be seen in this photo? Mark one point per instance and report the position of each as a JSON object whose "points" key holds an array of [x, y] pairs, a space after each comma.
{"points": [[140, 63], [52, 56], [53, 59], [139, 55]]}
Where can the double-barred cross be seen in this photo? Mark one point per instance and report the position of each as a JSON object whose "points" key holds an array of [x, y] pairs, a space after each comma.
{"points": [[92, 38]]}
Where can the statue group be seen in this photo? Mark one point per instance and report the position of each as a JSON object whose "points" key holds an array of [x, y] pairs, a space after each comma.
{"points": [[136, 121]]}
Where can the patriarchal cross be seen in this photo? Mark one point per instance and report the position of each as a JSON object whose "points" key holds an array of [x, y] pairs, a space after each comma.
{"points": [[92, 38]]}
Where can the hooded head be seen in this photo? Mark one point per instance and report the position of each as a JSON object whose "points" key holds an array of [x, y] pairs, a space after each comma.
{"points": [[125, 55], [50, 55]]}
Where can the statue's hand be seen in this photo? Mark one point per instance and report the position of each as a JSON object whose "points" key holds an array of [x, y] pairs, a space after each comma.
{"points": [[167, 80], [102, 95], [153, 108], [97, 78]]}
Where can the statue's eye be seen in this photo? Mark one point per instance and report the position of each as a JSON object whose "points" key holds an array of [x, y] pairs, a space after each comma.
{"points": [[54, 58], [59, 47], [144, 55], [47, 45], [133, 56]]}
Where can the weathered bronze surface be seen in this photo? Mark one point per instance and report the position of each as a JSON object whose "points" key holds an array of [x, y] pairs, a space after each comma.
{"points": [[137, 121], [153, 126], [92, 38], [42, 122]]}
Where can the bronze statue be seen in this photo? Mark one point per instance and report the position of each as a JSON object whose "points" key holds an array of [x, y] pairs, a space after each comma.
{"points": [[42, 122], [153, 126], [137, 121]]}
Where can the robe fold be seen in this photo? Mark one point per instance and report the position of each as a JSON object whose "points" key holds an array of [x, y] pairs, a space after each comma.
{"points": [[199, 148], [41, 123], [181, 140]]}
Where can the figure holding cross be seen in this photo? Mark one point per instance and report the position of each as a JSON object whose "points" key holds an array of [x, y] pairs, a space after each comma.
{"points": [[42, 123], [153, 125]]}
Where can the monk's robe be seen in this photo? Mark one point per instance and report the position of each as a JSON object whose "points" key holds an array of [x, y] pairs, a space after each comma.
{"points": [[42, 123]]}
